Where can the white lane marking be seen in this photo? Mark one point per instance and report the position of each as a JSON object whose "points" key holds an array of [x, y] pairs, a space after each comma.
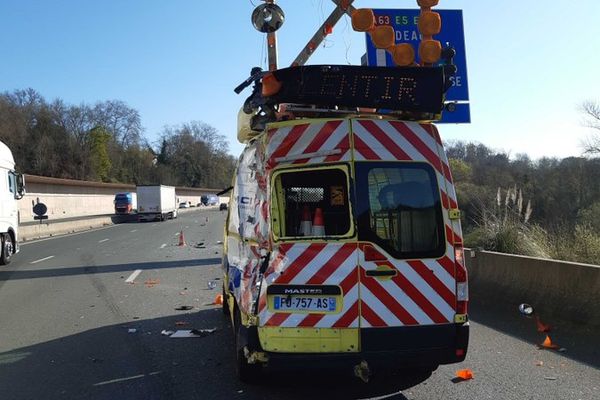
{"points": [[125, 379], [41, 259], [162, 246], [135, 230], [103, 240], [67, 235], [133, 276]]}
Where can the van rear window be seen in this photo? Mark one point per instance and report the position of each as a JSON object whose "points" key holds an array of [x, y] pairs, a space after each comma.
{"points": [[399, 208], [316, 195]]}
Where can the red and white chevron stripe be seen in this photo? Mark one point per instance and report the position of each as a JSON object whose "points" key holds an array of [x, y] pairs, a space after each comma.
{"points": [[314, 264], [314, 143], [422, 292]]}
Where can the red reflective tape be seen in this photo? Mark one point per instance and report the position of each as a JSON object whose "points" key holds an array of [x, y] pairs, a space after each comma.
{"points": [[288, 142], [299, 263], [447, 201], [332, 264], [311, 320], [433, 132], [348, 317], [320, 139], [433, 281], [350, 281], [367, 313], [452, 237], [448, 265], [383, 295], [422, 148], [385, 140], [364, 149], [277, 319], [262, 302], [343, 145]]}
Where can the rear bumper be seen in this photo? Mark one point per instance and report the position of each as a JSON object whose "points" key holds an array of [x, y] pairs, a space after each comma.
{"points": [[382, 348]]}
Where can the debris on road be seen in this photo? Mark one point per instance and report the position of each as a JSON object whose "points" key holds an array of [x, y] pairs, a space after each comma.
{"points": [[539, 363], [218, 299], [219, 242], [211, 285], [181, 323], [165, 332], [464, 374], [131, 330], [541, 327], [192, 333], [184, 308], [151, 282], [550, 378]]}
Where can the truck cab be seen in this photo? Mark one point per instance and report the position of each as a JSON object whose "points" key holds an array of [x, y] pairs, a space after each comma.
{"points": [[12, 188]]}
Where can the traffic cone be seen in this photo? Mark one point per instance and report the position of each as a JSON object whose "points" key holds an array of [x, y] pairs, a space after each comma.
{"points": [[547, 344], [181, 239], [318, 229], [305, 224]]}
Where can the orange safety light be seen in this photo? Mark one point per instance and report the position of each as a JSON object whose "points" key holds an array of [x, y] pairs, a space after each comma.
{"points": [[430, 23], [403, 54], [363, 20], [270, 85], [383, 36], [430, 51], [427, 3]]}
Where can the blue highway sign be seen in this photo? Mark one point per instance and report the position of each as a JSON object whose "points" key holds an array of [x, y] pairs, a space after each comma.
{"points": [[404, 22]]}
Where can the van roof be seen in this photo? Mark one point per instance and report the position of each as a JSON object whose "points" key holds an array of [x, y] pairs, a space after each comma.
{"points": [[6, 158]]}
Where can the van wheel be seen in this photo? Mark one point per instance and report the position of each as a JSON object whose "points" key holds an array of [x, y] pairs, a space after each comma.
{"points": [[7, 249], [247, 373]]}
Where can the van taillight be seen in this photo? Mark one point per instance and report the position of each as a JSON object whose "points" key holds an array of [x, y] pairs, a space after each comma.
{"points": [[462, 284]]}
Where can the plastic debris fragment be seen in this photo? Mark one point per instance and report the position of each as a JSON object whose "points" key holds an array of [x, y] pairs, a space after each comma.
{"points": [[151, 282], [464, 374], [547, 344], [131, 330], [218, 299], [211, 284], [164, 332]]}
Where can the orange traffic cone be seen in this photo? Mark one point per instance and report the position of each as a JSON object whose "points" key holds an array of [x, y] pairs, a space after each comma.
{"points": [[318, 229], [547, 344], [305, 224], [218, 299], [181, 239], [464, 374]]}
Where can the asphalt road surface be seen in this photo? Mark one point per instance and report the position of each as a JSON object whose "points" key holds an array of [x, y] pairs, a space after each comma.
{"points": [[72, 327]]}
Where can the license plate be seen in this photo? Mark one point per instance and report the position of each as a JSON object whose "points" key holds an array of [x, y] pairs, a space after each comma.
{"points": [[304, 303]]}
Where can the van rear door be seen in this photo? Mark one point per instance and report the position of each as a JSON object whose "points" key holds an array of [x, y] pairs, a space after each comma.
{"points": [[406, 254]]}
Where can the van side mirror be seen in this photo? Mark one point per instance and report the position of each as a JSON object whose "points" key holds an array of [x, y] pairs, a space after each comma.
{"points": [[20, 186]]}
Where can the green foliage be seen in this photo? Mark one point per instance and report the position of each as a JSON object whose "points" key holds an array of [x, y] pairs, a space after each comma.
{"points": [[101, 164], [104, 142], [590, 216]]}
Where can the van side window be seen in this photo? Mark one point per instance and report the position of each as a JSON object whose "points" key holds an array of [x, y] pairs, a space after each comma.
{"points": [[315, 196], [399, 208]]}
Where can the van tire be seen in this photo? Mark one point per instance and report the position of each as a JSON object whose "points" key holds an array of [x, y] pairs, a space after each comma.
{"points": [[247, 373], [7, 249]]}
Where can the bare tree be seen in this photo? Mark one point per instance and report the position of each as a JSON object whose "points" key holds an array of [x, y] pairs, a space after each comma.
{"points": [[591, 112]]}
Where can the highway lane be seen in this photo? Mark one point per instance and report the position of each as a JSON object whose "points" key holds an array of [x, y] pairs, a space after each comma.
{"points": [[73, 328]]}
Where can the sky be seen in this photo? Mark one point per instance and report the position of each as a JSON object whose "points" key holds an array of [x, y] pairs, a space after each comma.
{"points": [[529, 67]]}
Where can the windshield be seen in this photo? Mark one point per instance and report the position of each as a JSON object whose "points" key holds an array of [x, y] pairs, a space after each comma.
{"points": [[399, 208], [122, 198]]}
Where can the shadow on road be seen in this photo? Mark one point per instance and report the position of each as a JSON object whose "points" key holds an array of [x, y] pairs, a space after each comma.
{"points": [[102, 269], [581, 343], [112, 363]]}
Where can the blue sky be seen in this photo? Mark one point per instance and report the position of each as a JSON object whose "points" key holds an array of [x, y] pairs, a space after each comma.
{"points": [[179, 60]]}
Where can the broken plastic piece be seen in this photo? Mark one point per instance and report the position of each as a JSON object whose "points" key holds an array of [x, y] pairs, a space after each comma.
{"points": [[541, 327], [219, 299], [131, 330], [464, 374], [164, 332], [211, 285], [193, 333], [151, 282]]}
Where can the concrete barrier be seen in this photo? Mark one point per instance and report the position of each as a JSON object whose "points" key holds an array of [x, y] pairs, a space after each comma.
{"points": [[559, 289]]}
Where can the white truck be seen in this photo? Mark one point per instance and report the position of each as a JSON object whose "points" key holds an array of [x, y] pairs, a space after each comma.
{"points": [[156, 202], [12, 188]]}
